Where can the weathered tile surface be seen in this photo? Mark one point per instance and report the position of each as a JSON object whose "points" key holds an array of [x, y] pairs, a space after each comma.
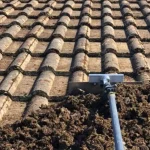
{"points": [[45, 44]]}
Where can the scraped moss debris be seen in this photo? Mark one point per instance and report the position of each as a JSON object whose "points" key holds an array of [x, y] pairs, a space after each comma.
{"points": [[83, 122]]}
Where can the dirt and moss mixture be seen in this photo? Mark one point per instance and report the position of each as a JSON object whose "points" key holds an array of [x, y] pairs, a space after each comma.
{"points": [[83, 123]]}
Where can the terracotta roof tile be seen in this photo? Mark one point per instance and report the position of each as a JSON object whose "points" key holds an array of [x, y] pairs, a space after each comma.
{"points": [[45, 44]]}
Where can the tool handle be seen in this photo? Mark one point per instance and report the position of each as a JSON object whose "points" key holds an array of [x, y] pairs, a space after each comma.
{"points": [[115, 122]]}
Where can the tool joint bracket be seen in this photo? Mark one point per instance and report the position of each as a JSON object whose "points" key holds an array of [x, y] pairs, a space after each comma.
{"points": [[110, 88]]}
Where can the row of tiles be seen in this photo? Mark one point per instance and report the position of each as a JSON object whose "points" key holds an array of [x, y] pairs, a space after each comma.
{"points": [[40, 48], [78, 5], [63, 65], [67, 7], [73, 24], [17, 33], [45, 1], [28, 86], [95, 14]]}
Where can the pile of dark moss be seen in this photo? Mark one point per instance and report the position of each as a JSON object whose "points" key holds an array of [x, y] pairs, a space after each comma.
{"points": [[83, 122]]}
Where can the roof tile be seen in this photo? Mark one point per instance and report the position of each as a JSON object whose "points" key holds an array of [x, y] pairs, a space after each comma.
{"points": [[107, 3], [79, 76], [36, 102], [132, 32], [125, 3], [43, 20], [140, 63], [5, 43], [33, 3], [107, 12], [52, 3], [109, 45], [80, 62], [86, 20], [108, 31], [15, 3], [36, 31], [21, 61], [127, 12], [87, 11], [88, 3], [60, 31], [27, 11], [143, 3], [67, 11], [64, 20], [69, 3], [56, 45], [8, 10], [13, 30], [107, 20], [47, 11], [148, 20], [4, 105], [110, 63], [21, 19], [84, 31], [82, 45], [29, 45], [2, 18], [146, 11], [51, 62], [129, 21], [44, 83], [135, 45], [10, 83]]}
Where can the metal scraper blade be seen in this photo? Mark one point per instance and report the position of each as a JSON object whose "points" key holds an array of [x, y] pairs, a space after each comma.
{"points": [[114, 78], [94, 85], [87, 87]]}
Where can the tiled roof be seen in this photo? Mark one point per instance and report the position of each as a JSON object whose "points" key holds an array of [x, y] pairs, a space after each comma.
{"points": [[44, 44]]}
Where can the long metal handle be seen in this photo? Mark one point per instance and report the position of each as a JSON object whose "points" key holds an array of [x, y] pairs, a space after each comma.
{"points": [[115, 122]]}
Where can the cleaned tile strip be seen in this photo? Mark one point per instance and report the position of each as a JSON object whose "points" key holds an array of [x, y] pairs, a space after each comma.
{"points": [[109, 47], [80, 62], [44, 82]]}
